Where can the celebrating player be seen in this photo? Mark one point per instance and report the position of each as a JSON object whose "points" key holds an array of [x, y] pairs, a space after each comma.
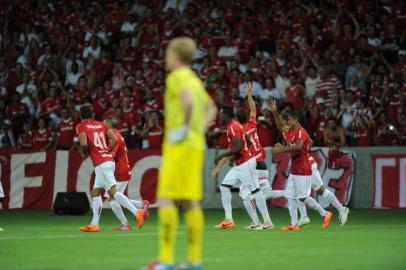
{"points": [[244, 171], [250, 130], [122, 174], [298, 188], [92, 137], [316, 183], [188, 113]]}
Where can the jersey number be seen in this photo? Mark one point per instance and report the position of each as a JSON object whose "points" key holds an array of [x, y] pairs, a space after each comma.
{"points": [[99, 140]]}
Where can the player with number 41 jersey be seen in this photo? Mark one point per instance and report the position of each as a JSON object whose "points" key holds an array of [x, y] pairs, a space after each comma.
{"points": [[92, 137]]}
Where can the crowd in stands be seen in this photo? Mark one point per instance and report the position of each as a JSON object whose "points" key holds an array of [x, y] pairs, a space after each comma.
{"points": [[341, 62]]}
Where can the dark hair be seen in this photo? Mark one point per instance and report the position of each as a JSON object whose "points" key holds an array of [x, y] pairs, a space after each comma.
{"points": [[229, 112], [112, 122], [242, 116], [86, 111], [295, 114]]}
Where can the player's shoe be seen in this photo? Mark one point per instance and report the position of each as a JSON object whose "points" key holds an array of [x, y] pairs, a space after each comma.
{"points": [[265, 226], [90, 228], [127, 227], [304, 221], [344, 215], [225, 224], [145, 207], [186, 266], [140, 218], [156, 265], [253, 226], [327, 219], [290, 228]]}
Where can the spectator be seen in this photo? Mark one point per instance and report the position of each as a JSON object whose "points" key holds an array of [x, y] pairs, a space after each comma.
{"points": [[228, 51], [282, 82], [152, 132], [42, 137], [328, 85], [296, 94], [73, 76], [66, 130], [25, 140], [269, 91], [256, 86], [93, 50], [359, 69]]}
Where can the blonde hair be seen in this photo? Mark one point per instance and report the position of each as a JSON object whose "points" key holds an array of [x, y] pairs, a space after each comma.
{"points": [[184, 47]]}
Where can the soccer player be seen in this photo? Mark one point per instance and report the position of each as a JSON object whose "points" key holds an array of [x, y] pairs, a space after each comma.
{"points": [[300, 172], [189, 111], [316, 183], [244, 172], [122, 174], [92, 137], [250, 130]]}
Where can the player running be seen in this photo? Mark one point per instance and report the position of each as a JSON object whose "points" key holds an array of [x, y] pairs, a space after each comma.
{"points": [[92, 137], [189, 111], [250, 130], [316, 183], [122, 174], [244, 172], [298, 188]]}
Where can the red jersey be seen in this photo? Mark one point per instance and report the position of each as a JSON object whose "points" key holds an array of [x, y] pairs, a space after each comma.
{"points": [[123, 169], [250, 129], [25, 141], [235, 130], [96, 140], [49, 105], [66, 129], [41, 138], [300, 160], [296, 96]]}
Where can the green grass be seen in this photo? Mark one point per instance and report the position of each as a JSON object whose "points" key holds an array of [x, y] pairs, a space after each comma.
{"points": [[372, 239]]}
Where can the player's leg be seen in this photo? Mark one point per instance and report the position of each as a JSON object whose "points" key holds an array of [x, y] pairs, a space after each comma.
{"points": [[249, 177], [249, 205], [332, 199], [229, 181], [1, 193], [292, 204], [303, 186], [117, 210], [304, 219], [111, 186], [194, 226]]}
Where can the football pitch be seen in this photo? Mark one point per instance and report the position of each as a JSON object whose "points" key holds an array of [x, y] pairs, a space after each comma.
{"points": [[372, 239]]}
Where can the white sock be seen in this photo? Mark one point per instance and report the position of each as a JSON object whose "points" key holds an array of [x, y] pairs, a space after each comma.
{"points": [[97, 206], [125, 202], [118, 211], [137, 204], [274, 194], [262, 207], [292, 203], [252, 211], [302, 209], [314, 205], [226, 200], [332, 199]]}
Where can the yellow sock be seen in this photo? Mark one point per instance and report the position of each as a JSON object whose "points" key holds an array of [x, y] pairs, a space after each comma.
{"points": [[168, 223], [194, 226]]}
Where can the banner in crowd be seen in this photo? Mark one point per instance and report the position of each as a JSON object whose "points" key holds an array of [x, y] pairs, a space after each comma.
{"points": [[337, 169], [32, 179], [389, 180]]}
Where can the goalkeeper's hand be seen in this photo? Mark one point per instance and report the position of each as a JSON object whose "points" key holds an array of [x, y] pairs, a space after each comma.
{"points": [[177, 135]]}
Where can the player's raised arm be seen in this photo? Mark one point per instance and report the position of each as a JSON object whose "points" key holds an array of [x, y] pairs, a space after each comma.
{"points": [[279, 122], [83, 144], [286, 149], [251, 102], [112, 139], [219, 166]]}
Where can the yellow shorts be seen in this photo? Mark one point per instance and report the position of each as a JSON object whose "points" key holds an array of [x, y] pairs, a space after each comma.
{"points": [[181, 173]]}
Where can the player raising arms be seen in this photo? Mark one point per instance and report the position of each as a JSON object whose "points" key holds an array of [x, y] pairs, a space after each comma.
{"points": [[300, 171], [92, 137], [250, 130], [315, 183], [122, 174], [243, 172], [188, 112]]}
